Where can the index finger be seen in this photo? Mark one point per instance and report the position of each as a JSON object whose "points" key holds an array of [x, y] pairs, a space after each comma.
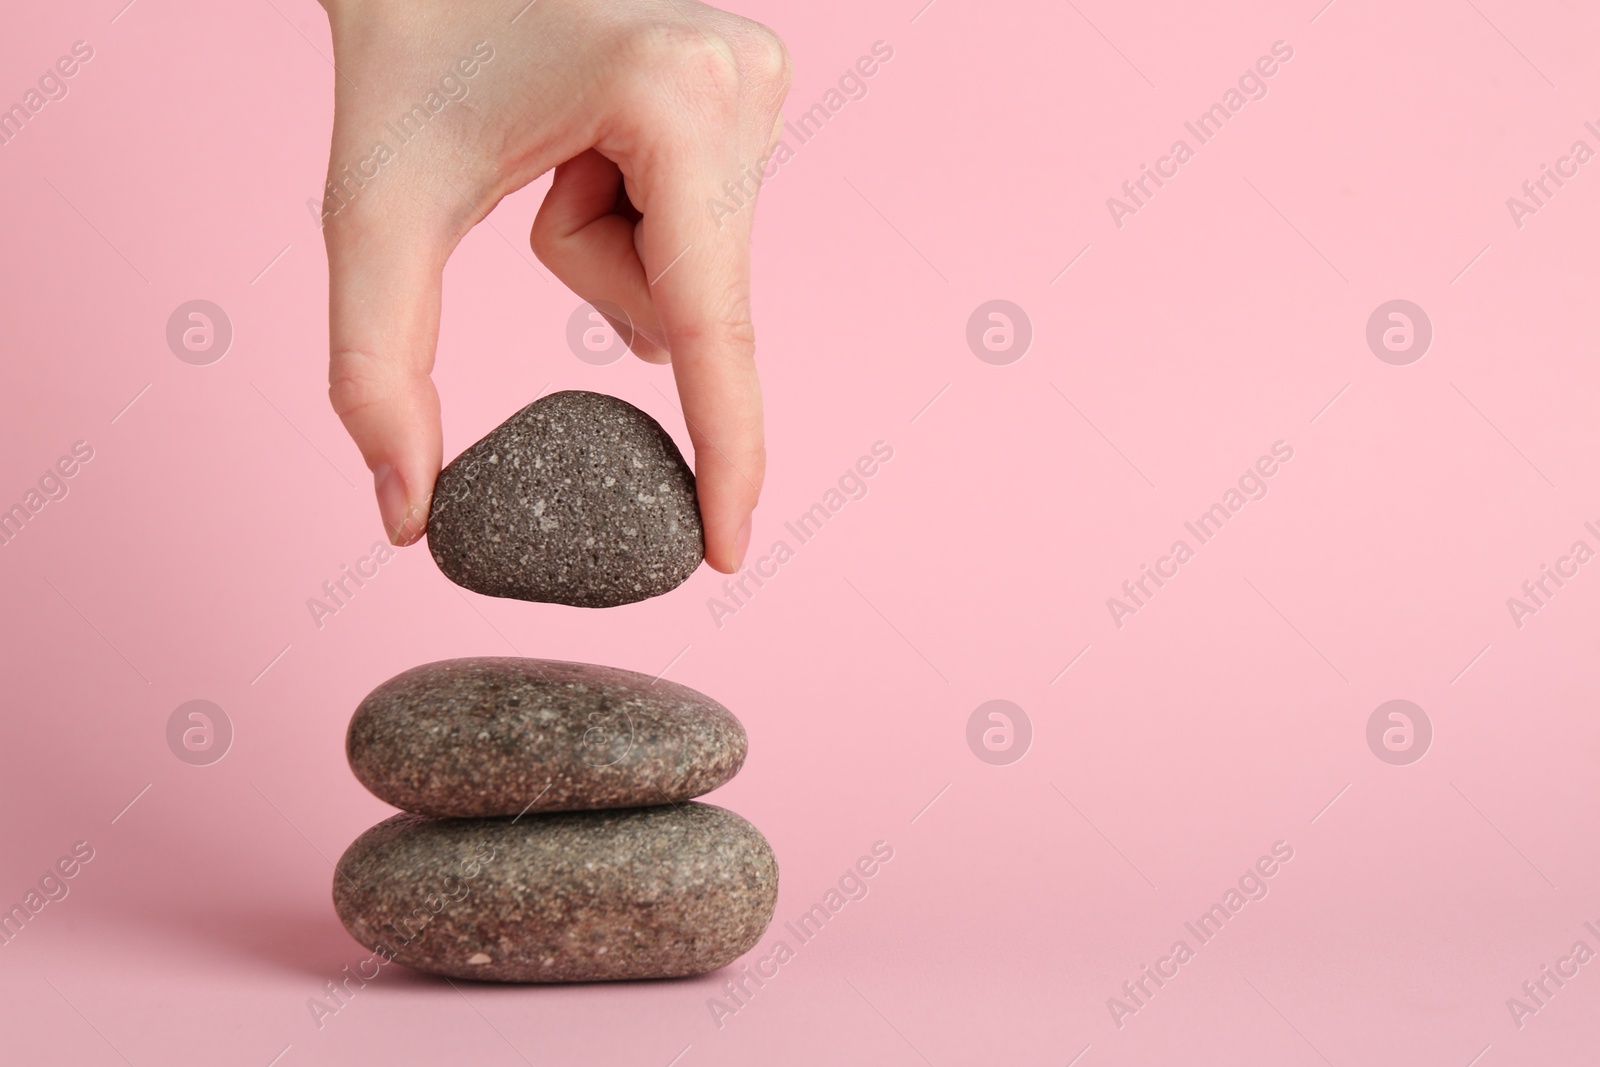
{"points": [[698, 270]]}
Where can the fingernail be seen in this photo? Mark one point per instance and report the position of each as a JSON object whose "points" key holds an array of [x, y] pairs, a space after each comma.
{"points": [[402, 520], [741, 544]]}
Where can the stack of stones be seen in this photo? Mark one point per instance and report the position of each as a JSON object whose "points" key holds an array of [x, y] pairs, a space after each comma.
{"points": [[549, 831]]}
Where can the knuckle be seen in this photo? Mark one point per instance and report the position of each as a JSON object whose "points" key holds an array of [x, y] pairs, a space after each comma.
{"points": [[354, 382], [765, 62], [699, 64], [749, 63], [740, 334], [731, 333]]}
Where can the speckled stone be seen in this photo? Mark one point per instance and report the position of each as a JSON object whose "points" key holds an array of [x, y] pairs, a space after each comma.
{"points": [[570, 897], [579, 498], [500, 736]]}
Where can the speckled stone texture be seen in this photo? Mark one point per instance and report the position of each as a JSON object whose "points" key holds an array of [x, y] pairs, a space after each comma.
{"points": [[579, 498], [499, 736], [568, 897]]}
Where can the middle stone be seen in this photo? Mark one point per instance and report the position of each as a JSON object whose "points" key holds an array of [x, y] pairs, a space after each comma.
{"points": [[493, 736]]}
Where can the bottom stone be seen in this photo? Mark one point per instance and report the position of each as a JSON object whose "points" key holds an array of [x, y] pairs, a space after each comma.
{"points": [[563, 897]]}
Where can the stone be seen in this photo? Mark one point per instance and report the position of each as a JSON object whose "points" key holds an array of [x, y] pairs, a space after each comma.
{"points": [[579, 498], [657, 892], [501, 736]]}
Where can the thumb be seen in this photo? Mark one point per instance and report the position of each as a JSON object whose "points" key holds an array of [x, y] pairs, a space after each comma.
{"points": [[384, 277]]}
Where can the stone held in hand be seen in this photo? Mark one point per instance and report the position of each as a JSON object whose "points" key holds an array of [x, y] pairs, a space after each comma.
{"points": [[579, 498], [657, 892], [489, 736]]}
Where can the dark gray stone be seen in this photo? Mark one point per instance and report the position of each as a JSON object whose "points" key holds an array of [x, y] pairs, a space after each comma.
{"points": [[500, 736], [570, 897], [579, 498]]}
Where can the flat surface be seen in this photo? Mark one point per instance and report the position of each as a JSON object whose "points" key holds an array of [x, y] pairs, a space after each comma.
{"points": [[1167, 754]]}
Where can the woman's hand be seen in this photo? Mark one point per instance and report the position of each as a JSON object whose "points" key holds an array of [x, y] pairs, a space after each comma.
{"points": [[645, 110]]}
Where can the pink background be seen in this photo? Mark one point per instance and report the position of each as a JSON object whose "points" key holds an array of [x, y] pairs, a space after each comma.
{"points": [[1224, 717]]}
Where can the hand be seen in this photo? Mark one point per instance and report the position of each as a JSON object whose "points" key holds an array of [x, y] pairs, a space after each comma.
{"points": [[645, 110]]}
